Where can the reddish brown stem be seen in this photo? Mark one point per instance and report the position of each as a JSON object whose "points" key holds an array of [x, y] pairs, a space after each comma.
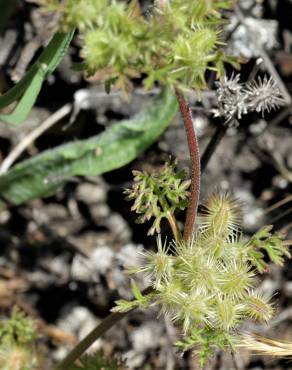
{"points": [[195, 165]]}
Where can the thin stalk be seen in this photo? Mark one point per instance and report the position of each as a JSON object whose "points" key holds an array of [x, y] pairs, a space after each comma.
{"points": [[211, 147], [96, 333], [115, 317], [266, 58], [174, 226], [195, 165], [170, 218]]}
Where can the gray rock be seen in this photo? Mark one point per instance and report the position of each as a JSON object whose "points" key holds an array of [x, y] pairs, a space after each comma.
{"points": [[7, 42], [91, 193], [77, 320], [119, 227], [89, 269], [102, 259], [262, 30], [147, 336], [130, 255]]}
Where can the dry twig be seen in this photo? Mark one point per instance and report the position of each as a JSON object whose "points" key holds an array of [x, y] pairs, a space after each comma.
{"points": [[32, 136]]}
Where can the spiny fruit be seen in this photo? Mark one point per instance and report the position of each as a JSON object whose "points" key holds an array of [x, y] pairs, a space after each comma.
{"points": [[207, 285]]}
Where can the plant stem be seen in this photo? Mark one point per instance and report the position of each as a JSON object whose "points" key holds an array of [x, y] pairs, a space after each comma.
{"points": [[262, 52], [115, 317], [32, 136], [195, 165], [211, 147], [174, 227], [170, 218], [96, 333], [85, 343]]}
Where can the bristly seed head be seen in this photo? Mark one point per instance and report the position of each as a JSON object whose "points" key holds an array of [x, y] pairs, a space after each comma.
{"points": [[157, 265], [235, 278], [220, 216], [236, 99], [258, 306], [207, 284], [264, 95]]}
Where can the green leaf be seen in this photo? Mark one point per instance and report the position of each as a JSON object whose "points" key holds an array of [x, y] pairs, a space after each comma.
{"points": [[136, 291], [205, 340], [158, 194], [47, 172], [124, 306], [273, 244], [19, 329], [28, 88], [97, 361], [142, 301]]}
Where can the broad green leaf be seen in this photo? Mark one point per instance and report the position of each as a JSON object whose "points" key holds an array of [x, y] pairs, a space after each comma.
{"points": [[28, 88], [47, 172]]}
